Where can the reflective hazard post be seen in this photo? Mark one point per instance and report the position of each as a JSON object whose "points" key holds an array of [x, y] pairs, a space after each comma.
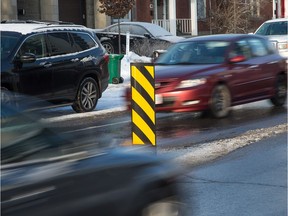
{"points": [[143, 104]]}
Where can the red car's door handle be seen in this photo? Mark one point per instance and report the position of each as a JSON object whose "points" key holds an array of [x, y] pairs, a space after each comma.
{"points": [[273, 62], [253, 66]]}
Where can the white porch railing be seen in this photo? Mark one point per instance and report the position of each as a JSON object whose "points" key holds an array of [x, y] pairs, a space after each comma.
{"points": [[183, 25]]}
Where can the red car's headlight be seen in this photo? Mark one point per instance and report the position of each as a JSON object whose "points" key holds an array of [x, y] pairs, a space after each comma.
{"points": [[191, 83]]}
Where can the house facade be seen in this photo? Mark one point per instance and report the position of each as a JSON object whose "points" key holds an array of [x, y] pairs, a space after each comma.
{"points": [[177, 16]]}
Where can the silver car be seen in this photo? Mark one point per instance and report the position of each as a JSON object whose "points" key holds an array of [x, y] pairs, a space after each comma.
{"points": [[276, 30]]}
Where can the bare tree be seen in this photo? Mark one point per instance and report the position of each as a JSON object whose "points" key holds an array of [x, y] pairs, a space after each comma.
{"points": [[117, 9], [232, 16]]}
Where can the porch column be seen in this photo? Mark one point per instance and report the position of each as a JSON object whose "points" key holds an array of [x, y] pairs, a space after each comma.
{"points": [[172, 16], [9, 9], [194, 19], [155, 8], [49, 10], [164, 15]]}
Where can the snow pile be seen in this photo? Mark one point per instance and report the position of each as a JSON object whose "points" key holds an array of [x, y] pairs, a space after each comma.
{"points": [[131, 57]]}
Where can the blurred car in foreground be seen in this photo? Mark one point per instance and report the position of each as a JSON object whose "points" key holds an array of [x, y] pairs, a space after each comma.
{"points": [[45, 174], [213, 73], [277, 32], [141, 33]]}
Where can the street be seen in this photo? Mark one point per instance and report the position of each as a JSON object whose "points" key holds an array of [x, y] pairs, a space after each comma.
{"points": [[251, 181], [235, 166]]}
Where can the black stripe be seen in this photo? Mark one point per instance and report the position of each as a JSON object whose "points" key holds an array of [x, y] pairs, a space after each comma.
{"points": [[142, 91], [140, 134], [143, 115], [146, 73]]}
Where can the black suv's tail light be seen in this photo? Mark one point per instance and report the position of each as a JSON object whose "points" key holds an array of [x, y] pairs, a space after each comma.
{"points": [[106, 57]]}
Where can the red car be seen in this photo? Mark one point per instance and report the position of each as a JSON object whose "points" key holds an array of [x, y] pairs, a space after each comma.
{"points": [[213, 73]]}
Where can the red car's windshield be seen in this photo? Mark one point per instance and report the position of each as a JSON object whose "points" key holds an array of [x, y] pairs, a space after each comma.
{"points": [[195, 52]]}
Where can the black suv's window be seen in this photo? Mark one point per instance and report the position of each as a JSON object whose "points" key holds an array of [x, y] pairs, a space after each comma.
{"points": [[82, 41], [35, 44], [60, 43], [8, 43]]}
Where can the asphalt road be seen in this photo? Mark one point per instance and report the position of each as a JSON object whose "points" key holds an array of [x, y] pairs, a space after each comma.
{"points": [[251, 181]]}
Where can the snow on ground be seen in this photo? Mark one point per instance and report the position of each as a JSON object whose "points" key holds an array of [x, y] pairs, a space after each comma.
{"points": [[113, 96]]}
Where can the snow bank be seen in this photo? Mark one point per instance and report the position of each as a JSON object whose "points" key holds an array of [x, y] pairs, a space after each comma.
{"points": [[131, 57]]}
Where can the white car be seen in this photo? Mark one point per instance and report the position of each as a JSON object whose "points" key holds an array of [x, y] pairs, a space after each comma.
{"points": [[276, 30]]}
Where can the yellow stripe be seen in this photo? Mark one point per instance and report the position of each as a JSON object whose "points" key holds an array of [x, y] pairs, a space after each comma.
{"points": [[136, 140], [137, 97], [141, 124], [150, 69], [137, 75]]}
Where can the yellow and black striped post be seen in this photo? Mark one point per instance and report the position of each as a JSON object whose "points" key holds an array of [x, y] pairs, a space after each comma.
{"points": [[143, 104]]}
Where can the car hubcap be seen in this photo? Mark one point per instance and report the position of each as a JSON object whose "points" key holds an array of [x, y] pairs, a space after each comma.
{"points": [[88, 95], [219, 102], [162, 208], [108, 48], [281, 91]]}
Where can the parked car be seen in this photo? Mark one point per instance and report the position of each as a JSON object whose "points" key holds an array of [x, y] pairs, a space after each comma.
{"points": [[43, 173], [212, 73], [152, 36], [276, 31], [62, 63]]}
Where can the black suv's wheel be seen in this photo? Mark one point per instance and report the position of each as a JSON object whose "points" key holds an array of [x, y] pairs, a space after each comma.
{"points": [[108, 46], [280, 96], [220, 101], [87, 96]]}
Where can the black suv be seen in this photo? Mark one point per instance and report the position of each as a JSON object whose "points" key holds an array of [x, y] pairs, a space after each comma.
{"points": [[60, 63]]}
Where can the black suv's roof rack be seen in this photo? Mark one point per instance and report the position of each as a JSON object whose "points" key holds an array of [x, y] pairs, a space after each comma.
{"points": [[47, 22]]}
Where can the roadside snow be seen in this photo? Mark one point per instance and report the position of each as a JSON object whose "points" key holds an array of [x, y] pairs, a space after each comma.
{"points": [[113, 96], [205, 152]]}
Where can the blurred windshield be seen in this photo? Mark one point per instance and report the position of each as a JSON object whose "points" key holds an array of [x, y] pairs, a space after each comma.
{"points": [[273, 28], [8, 43], [195, 52]]}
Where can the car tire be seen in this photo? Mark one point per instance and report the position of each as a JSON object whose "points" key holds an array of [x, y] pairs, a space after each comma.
{"points": [[220, 102], [87, 96], [280, 96], [108, 47]]}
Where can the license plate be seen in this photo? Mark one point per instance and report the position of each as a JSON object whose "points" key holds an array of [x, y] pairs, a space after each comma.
{"points": [[158, 99]]}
